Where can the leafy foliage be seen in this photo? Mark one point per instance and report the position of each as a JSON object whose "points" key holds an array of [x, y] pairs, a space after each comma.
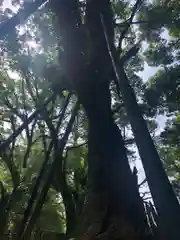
{"points": [[30, 75]]}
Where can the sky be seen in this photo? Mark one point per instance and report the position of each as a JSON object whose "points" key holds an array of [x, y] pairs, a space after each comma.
{"points": [[7, 4]]}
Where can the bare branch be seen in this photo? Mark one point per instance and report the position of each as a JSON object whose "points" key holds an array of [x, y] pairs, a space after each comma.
{"points": [[129, 141], [135, 8], [143, 194], [142, 183], [147, 198]]}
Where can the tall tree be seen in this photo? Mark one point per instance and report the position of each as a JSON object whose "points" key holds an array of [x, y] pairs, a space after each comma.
{"points": [[87, 63]]}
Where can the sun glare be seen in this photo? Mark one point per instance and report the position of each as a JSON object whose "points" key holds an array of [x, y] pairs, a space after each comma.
{"points": [[32, 44]]}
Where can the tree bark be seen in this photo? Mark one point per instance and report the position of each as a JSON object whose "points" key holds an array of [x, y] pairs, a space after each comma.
{"points": [[113, 208], [163, 195]]}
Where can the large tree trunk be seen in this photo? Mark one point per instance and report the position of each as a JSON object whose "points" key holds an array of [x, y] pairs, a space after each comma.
{"points": [[113, 208]]}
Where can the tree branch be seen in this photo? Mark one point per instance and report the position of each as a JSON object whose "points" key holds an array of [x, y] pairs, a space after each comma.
{"points": [[142, 183], [146, 22], [73, 147], [29, 135], [18, 131], [19, 18], [135, 8], [129, 54], [58, 150], [35, 189], [41, 174]]}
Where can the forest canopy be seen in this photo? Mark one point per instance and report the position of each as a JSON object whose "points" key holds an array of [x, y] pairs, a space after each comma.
{"points": [[90, 119]]}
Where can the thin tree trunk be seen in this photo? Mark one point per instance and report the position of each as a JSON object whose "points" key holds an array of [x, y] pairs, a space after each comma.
{"points": [[163, 195], [58, 151], [62, 187]]}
